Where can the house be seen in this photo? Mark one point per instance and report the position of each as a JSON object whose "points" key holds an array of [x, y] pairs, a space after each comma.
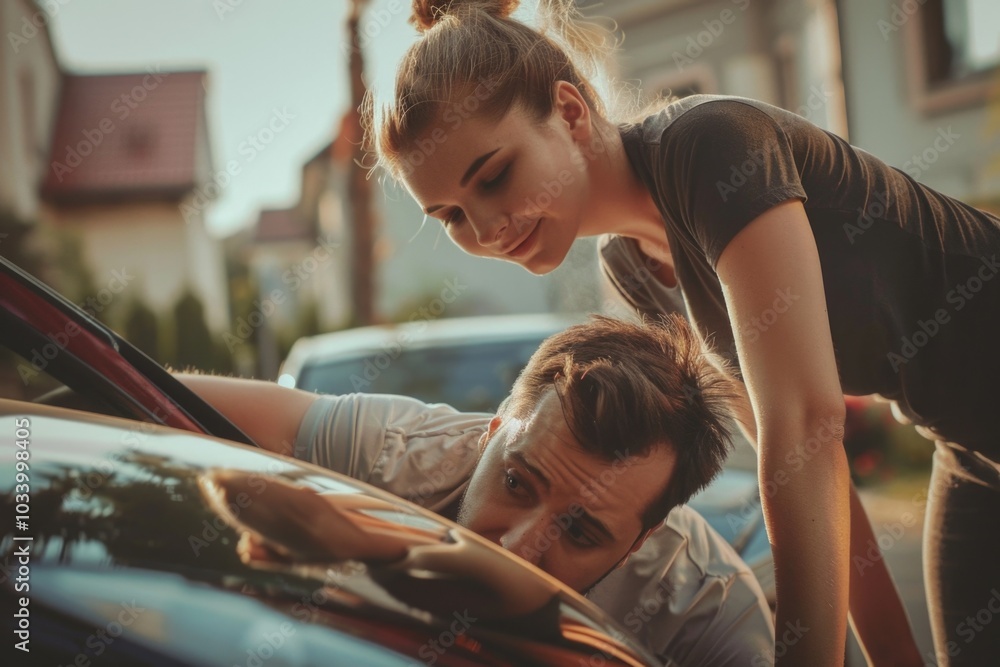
{"points": [[105, 178], [128, 170], [30, 80]]}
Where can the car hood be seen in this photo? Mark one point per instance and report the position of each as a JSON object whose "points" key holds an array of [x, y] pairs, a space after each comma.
{"points": [[225, 543]]}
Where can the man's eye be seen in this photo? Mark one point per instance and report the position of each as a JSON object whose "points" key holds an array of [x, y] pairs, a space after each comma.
{"points": [[513, 484], [579, 537]]}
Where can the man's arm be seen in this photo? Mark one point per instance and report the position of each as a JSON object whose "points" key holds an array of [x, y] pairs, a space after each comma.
{"points": [[269, 413]]}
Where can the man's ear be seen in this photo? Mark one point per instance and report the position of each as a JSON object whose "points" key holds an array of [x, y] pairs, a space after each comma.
{"points": [[573, 110], [494, 426], [636, 546]]}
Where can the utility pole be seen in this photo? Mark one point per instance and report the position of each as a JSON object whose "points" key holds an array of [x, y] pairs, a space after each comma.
{"points": [[359, 190]]}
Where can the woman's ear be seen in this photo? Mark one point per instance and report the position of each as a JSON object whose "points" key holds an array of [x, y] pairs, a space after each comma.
{"points": [[570, 107]]}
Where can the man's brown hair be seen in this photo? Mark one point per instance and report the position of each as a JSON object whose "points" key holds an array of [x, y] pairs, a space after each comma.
{"points": [[626, 388]]}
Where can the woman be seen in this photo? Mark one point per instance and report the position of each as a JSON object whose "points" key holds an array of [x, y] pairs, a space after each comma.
{"points": [[814, 266]]}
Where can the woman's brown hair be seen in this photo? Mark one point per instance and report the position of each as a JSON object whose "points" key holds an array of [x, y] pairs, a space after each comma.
{"points": [[474, 58]]}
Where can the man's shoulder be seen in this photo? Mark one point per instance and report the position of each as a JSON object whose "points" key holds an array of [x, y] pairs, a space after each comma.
{"points": [[687, 595]]}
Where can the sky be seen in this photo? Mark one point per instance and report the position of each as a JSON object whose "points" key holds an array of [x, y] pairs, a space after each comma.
{"points": [[263, 58]]}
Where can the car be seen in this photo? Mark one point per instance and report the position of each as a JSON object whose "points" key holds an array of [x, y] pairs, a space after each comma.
{"points": [[134, 539], [471, 363], [137, 543]]}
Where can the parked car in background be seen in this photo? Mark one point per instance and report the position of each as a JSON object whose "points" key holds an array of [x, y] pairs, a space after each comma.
{"points": [[471, 363]]}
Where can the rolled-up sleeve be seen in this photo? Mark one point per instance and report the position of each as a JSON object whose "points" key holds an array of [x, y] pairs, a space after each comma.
{"points": [[419, 451]]}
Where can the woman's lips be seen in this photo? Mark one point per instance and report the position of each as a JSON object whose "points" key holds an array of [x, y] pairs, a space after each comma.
{"points": [[525, 246]]}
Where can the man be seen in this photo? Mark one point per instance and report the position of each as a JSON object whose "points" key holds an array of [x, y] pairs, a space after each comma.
{"points": [[584, 470]]}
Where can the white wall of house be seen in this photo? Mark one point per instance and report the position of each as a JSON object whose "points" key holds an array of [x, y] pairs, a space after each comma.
{"points": [[885, 121], [151, 242], [29, 87]]}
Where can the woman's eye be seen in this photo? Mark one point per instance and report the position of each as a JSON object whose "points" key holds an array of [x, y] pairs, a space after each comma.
{"points": [[454, 217], [496, 180]]}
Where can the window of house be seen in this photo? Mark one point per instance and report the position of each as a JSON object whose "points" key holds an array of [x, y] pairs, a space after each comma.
{"points": [[955, 50]]}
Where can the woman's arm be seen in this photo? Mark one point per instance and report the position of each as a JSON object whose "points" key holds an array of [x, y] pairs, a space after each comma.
{"points": [[269, 413], [876, 610], [794, 389]]}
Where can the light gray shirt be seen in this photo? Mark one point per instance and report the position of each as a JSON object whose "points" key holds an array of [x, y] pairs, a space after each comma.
{"points": [[685, 594]]}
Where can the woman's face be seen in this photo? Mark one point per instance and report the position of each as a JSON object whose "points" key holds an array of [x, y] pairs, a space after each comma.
{"points": [[512, 190]]}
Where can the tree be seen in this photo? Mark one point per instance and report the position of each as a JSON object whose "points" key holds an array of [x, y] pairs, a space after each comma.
{"points": [[359, 187], [142, 329], [193, 345]]}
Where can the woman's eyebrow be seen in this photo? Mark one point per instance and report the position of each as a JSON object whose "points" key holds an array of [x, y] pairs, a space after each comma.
{"points": [[469, 173], [476, 164]]}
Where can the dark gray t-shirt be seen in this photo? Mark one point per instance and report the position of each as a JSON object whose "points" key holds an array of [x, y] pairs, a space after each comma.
{"points": [[910, 275]]}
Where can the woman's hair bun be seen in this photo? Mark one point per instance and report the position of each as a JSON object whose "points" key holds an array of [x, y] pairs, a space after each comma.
{"points": [[426, 13]]}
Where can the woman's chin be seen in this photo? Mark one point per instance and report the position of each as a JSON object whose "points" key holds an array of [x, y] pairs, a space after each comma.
{"points": [[538, 264]]}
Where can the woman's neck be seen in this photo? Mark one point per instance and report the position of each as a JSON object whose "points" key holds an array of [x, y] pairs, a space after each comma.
{"points": [[622, 204]]}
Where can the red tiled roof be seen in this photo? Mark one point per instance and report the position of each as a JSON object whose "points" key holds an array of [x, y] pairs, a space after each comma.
{"points": [[282, 224], [127, 135]]}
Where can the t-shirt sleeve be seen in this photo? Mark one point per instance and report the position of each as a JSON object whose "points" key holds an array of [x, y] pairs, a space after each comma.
{"points": [[418, 451], [732, 162]]}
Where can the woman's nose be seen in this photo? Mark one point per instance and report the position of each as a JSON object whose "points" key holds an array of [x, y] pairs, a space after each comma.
{"points": [[490, 231]]}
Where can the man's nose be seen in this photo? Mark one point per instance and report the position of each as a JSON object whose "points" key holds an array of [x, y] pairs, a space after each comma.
{"points": [[522, 539]]}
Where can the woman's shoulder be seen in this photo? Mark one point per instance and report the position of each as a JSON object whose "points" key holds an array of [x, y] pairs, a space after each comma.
{"points": [[704, 112]]}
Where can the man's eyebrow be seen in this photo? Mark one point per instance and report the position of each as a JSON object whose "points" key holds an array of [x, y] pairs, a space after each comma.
{"points": [[469, 173], [520, 458]]}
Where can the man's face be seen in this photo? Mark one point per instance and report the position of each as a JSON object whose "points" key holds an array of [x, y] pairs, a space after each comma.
{"points": [[539, 494]]}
